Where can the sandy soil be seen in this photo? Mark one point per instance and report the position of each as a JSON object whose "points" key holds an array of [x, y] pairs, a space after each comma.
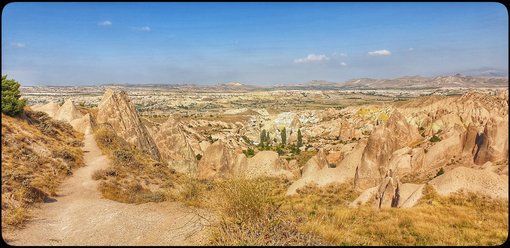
{"points": [[79, 216]]}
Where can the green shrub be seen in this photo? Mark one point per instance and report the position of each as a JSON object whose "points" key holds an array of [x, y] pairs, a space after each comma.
{"points": [[249, 152], [299, 138], [440, 172], [435, 139], [11, 103]]}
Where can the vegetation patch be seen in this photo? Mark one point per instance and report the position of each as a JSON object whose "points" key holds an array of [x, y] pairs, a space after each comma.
{"points": [[134, 177], [37, 154]]}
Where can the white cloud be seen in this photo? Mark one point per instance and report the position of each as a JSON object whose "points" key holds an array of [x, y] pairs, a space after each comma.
{"points": [[143, 29], [312, 58], [411, 49], [18, 44], [383, 52], [343, 64], [105, 23]]}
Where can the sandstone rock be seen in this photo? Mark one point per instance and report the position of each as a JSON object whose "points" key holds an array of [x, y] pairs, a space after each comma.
{"points": [[116, 109], [364, 197], [471, 180], [493, 143], [50, 108], [395, 134], [345, 170], [83, 125], [470, 140], [174, 147], [315, 164], [203, 145], [67, 112], [267, 163], [439, 154], [217, 161], [417, 156]]}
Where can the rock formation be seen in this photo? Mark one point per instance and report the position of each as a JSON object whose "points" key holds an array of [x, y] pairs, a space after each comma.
{"points": [[267, 163], [471, 180], [217, 161], [492, 144], [383, 141], [174, 147], [116, 109], [67, 112]]}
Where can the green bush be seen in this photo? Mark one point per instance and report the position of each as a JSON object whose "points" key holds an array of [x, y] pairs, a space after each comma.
{"points": [[440, 172], [284, 136], [299, 138], [11, 103], [249, 152], [435, 139]]}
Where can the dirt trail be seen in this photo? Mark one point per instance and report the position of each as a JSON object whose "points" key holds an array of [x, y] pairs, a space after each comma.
{"points": [[78, 216]]}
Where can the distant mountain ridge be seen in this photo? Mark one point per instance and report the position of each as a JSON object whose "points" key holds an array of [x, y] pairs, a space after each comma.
{"points": [[405, 82]]}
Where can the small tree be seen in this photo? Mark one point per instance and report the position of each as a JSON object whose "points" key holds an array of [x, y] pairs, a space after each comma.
{"points": [[262, 137], [299, 138], [284, 136], [11, 103]]}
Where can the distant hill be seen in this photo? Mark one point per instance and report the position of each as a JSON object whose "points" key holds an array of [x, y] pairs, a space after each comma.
{"points": [[406, 82], [416, 82]]}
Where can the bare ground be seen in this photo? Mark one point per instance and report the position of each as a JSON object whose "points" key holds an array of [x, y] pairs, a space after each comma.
{"points": [[79, 216]]}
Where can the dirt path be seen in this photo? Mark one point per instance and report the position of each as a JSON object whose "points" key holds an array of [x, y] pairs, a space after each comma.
{"points": [[79, 216]]}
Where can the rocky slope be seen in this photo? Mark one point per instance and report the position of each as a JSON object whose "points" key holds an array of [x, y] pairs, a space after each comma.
{"points": [[116, 110]]}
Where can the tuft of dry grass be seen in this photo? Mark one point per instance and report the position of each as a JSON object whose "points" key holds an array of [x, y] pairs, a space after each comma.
{"points": [[37, 154], [249, 213]]}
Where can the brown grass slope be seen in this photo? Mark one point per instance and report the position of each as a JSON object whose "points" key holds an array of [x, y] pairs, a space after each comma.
{"points": [[37, 154], [134, 177]]}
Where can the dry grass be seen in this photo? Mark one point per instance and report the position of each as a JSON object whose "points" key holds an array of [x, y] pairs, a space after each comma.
{"points": [[250, 213], [37, 154], [461, 219], [134, 177]]}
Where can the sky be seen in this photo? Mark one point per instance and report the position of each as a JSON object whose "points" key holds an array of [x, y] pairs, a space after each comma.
{"points": [[253, 43]]}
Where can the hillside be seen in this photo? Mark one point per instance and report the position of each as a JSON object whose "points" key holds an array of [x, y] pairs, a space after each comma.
{"points": [[37, 154]]}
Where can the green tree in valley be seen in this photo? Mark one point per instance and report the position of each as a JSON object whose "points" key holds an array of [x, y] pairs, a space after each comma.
{"points": [[11, 103], [284, 136], [299, 138], [262, 137]]}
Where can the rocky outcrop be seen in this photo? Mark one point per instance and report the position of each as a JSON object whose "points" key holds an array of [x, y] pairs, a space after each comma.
{"points": [[492, 144], [267, 163], [315, 164], [448, 148], [174, 147], [383, 141], [344, 171], [391, 193], [50, 108], [116, 109], [217, 161], [472, 180], [67, 112], [84, 125]]}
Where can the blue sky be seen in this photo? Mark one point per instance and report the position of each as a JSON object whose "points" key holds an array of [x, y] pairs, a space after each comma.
{"points": [[256, 43]]}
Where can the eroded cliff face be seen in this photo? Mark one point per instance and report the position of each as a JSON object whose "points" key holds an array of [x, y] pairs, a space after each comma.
{"points": [[385, 139], [116, 110], [174, 147]]}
